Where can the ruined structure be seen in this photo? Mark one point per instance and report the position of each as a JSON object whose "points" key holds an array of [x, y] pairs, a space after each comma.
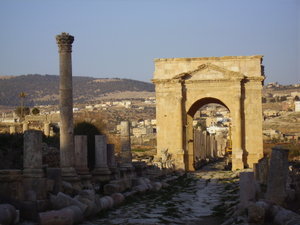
{"points": [[183, 85]]}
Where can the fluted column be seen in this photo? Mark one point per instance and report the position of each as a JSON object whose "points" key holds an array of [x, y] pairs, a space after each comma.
{"points": [[64, 41]]}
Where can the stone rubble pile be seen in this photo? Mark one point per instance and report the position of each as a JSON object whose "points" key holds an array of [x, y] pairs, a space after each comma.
{"points": [[266, 192]]}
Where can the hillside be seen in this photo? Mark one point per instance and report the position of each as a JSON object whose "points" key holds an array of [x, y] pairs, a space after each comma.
{"points": [[43, 89]]}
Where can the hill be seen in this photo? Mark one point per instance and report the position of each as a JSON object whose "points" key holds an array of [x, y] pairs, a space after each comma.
{"points": [[43, 89]]}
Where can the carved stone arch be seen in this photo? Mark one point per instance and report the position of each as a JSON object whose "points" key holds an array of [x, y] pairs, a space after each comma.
{"points": [[233, 81]]}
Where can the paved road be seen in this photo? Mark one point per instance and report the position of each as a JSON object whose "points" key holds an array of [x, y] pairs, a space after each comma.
{"points": [[195, 198]]}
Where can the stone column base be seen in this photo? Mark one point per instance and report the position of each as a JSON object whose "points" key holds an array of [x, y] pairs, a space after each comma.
{"points": [[179, 161], [33, 173], [69, 174], [101, 174]]}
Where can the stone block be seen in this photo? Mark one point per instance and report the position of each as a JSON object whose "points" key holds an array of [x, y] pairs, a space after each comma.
{"points": [[247, 188], [278, 174], [62, 200], [118, 198], [107, 202], [256, 213], [55, 175], [8, 214], [112, 188]]}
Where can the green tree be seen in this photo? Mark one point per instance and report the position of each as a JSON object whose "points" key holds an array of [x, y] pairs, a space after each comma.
{"points": [[22, 111], [35, 111]]}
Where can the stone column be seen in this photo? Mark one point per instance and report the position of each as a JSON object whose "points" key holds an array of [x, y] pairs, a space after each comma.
{"points": [[101, 171], [237, 150], [81, 157], [125, 153], [34, 183], [12, 129], [25, 126], [32, 155], [64, 41], [111, 160], [47, 129], [247, 189], [277, 177]]}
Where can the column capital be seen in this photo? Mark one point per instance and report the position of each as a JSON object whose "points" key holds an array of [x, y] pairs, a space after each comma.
{"points": [[64, 42]]}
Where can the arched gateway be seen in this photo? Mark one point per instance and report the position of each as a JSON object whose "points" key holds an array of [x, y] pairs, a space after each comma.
{"points": [[183, 85]]}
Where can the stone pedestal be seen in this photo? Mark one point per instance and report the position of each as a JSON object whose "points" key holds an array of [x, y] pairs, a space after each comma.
{"points": [[101, 171], [237, 160], [277, 178], [81, 162], [64, 41], [247, 189], [34, 183], [126, 157], [32, 155]]}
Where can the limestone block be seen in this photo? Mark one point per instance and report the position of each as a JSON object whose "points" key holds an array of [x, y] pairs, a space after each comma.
{"points": [[66, 216], [55, 175], [141, 188], [112, 188], [8, 214], [62, 200], [107, 202], [256, 213], [91, 205], [157, 186], [278, 174], [118, 198], [247, 188]]}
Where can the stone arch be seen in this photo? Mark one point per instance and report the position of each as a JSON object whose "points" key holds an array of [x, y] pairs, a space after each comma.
{"points": [[190, 150], [182, 84]]}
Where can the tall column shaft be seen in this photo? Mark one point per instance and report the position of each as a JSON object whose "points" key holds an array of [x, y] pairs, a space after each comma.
{"points": [[64, 42], [237, 150], [126, 156]]}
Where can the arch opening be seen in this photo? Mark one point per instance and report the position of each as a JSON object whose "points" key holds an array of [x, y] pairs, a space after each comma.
{"points": [[208, 132]]}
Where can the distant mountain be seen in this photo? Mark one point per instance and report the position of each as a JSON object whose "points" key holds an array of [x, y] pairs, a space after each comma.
{"points": [[43, 89]]}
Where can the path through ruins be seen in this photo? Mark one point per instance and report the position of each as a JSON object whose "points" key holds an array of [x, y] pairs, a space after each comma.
{"points": [[195, 198]]}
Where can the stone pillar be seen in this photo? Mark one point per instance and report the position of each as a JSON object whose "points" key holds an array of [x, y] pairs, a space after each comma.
{"points": [[25, 126], [111, 160], [277, 177], [12, 129], [125, 153], [81, 157], [237, 150], [32, 155], [47, 129], [64, 41], [247, 189], [34, 183], [101, 171]]}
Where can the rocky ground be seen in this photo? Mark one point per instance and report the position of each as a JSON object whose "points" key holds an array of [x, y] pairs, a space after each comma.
{"points": [[202, 197]]}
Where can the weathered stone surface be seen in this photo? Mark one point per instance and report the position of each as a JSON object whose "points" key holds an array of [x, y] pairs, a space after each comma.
{"points": [[81, 155], [157, 186], [278, 173], [118, 198], [64, 41], [107, 202], [183, 85], [32, 158], [261, 170], [55, 175], [101, 171], [285, 217], [62, 200], [256, 213], [8, 214], [112, 188], [126, 157], [247, 188]]}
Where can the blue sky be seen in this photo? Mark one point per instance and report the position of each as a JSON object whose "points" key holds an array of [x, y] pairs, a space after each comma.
{"points": [[120, 38]]}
